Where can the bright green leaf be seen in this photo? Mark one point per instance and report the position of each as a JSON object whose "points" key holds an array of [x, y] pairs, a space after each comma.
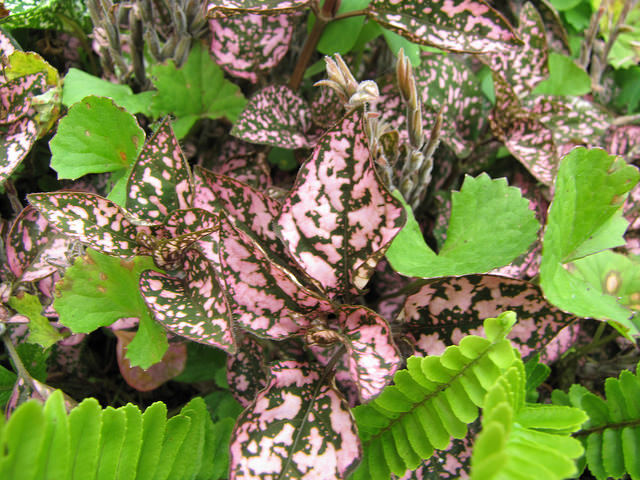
{"points": [[40, 330], [490, 225], [340, 36], [95, 136], [85, 423], [149, 345], [197, 90], [565, 78], [396, 42]]}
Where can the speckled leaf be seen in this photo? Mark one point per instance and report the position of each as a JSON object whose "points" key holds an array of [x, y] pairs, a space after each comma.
{"points": [[243, 162], [372, 355], [459, 25], [16, 141], [7, 44], [265, 298], [274, 116], [193, 307], [298, 427], [625, 141], [338, 220], [160, 180], [223, 8], [15, 98], [246, 372], [448, 83], [441, 312], [171, 365], [168, 254], [91, 219], [526, 66], [244, 203], [34, 249], [244, 46]]}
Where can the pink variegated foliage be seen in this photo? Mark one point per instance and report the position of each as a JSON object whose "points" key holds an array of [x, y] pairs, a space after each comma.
{"points": [[246, 45]]}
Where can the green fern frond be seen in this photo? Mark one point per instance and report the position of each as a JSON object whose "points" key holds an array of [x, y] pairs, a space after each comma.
{"points": [[431, 401], [612, 435], [42, 442], [524, 441]]}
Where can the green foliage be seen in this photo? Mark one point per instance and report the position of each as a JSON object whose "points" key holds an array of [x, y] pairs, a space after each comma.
{"points": [[43, 442], [41, 331], [98, 290], [519, 440], [97, 136], [585, 218], [612, 435], [45, 13], [340, 36], [431, 401], [197, 90], [490, 225], [565, 78]]}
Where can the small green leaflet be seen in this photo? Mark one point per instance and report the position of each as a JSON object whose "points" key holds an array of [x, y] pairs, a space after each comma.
{"points": [[79, 84], [565, 78], [96, 136], [490, 225], [40, 331], [98, 290], [197, 90], [583, 219]]}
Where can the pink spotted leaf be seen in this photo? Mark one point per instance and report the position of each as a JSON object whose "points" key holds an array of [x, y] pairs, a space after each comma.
{"points": [[16, 141], [298, 427], [246, 371], [160, 180], [193, 307], [34, 249], [372, 355], [624, 140], [443, 311], [244, 46], [458, 25], [266, 299], [223, 8], [338, 219], [16, 94], [275, 116], [243, 162], [91, 219]]}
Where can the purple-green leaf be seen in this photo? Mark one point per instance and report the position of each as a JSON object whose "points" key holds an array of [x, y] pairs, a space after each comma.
{"points": [[274, 116], [247, 45], [458, 25], [90, 219], [266, 299], [160, 181], [193, 307], [298, 427], [443, 311], [339, 220]]}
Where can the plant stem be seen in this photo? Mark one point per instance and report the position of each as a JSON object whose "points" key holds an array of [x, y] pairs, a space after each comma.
{"points": [[15, 358], [324, 16], [12, 193], [626, 120]]}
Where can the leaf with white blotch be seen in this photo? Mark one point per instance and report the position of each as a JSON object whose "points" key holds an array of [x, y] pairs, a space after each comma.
{"points": [[526, 66], [301, 424], [447, 83], [246, 370], [91, 219], [160, 180], [95, 136], [196, 90], [490, 225], [7, 44], [170, 366], [224, 8], [193, 307], [373, 356], [244, 203], [585, 218], [439, 313], [34, 249], [460, 25], [265, 298], [338, 219], [168, 253], [244, 46], [274, 116]]}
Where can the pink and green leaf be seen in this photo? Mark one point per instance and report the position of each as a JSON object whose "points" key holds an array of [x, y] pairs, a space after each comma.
{"points": [[193, 307], [16, 141], [266, 299], [242, 161], [298, 427], [16, 94], [339, 220], [91, 219], [244, 46], [160, 180], [443, 311], [246, 371], [224, 8], [460, 25], [274, 116]]}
